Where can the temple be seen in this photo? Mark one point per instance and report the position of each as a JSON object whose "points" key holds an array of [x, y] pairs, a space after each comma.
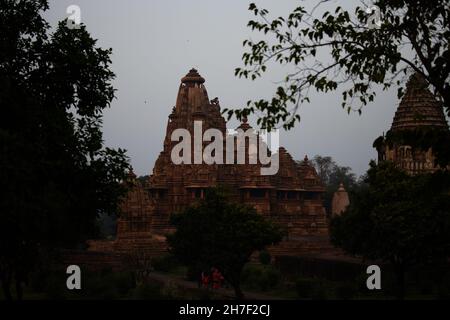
{"points": [[418, 111], [291, 198], [340, 201]]}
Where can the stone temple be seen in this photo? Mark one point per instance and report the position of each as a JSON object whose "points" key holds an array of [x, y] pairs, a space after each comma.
{"points": [[418, 110], [291, 198]]}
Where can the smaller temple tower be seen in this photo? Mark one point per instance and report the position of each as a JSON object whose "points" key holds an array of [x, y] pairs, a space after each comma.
{"points": [[419, 112], [340, 201]]}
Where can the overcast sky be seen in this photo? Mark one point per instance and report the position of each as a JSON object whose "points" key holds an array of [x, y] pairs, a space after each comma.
{"points": [[156, 42]]}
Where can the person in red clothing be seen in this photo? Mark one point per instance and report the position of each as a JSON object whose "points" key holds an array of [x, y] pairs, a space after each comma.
{"points": [[217, 278], [205, 280]]}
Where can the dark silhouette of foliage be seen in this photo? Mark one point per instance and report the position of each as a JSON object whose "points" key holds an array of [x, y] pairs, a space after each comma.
{"points": [[56, 175], [397, 218]]}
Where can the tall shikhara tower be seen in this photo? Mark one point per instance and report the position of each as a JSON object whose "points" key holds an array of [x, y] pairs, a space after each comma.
{"points": [[291, 198], [418, 111]]}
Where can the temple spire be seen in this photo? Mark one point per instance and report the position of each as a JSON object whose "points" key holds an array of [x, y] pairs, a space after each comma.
{"points": [[192, 77], [418, 108]]}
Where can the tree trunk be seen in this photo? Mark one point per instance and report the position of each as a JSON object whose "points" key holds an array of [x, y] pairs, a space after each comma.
{"points": [[234, 279]]}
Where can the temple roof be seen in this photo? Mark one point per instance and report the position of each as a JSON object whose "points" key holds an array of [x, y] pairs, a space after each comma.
{"points": [[192, 99], [193, 77], [341, 188], [418, 108], [309, 176]]}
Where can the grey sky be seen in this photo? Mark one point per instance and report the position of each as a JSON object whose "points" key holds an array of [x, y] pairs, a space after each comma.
{"points": [[155, 43]]}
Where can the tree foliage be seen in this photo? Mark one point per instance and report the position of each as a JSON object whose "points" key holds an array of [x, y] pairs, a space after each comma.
{"points": [[350, 52], [218, 233], [397, 218], [55, 173], [331, 173]]}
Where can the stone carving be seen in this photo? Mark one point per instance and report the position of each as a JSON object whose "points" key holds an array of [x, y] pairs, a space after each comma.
{"points": [[291, 198]]}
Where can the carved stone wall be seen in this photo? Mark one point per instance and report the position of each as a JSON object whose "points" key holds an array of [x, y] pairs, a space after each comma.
{"points": [[291, 198]]}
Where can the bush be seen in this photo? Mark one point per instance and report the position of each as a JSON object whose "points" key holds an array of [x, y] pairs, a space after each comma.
{"points": [[443, 292], [305, 287], [102, 288], [251, 275], [346, 291], [271, 278], [426, 287], [264, 257], [311, 289], [443, 289], [260, 277], [39, 280], [104, 284], [203, 295], [193, 273], [124, 282], [55, 288], [171, 291], [320, 292], [148, 291]]}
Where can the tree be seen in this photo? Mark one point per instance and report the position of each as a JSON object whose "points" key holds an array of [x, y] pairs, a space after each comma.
{"points": [[218, 233], [143, 179], [56, 175], [349, 52], [324, 167], [332, 174], [397, 218]]}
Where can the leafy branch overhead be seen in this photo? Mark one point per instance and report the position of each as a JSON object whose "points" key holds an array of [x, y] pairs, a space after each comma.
{"points": [[352, 52]]}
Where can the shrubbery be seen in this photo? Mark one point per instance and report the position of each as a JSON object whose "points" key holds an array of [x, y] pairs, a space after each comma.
{"points": [[260, 277], [312, 289], [346, 291], [148, 291], [264, 257], [305, 287], [105, 285], [124, 282]]}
